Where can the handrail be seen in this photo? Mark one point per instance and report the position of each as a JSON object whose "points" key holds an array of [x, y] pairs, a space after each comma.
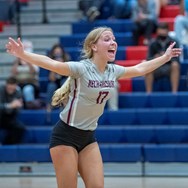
{"points": [[44, 12], [18, 24]]}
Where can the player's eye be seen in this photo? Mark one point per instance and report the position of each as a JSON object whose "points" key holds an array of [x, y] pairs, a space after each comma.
{"points": [[106, 39]]}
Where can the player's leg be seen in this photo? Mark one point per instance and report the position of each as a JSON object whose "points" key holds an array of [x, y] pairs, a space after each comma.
{"points": [[65, 161], [90, 166]]}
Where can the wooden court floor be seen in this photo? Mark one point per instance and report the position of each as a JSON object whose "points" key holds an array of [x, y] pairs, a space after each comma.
{"points": [[110, 182]]}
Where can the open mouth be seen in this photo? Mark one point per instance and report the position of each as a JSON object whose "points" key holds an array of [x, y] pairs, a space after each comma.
{"points": [[111, 52]]}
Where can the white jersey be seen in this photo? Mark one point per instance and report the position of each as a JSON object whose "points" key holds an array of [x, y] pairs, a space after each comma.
{"points": [[90, 91]]}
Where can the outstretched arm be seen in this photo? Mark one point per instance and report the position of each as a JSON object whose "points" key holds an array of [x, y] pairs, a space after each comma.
{"points": [[149, 66], [16, 49]]}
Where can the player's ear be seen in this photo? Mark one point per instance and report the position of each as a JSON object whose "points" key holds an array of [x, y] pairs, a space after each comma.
{"points": [[94, 47]]}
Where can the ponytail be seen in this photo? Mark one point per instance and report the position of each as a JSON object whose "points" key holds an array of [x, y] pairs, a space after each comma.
{"points": [[61, 95]]}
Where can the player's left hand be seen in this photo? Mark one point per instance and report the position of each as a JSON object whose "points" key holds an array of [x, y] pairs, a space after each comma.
{"points": [[172, 52]]}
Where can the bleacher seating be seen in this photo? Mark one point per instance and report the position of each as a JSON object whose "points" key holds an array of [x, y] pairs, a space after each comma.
{"points": [[118, 26], [123, 39], [149, 128], [170, 11], [1, 26], [146, 125], [166, 153]]}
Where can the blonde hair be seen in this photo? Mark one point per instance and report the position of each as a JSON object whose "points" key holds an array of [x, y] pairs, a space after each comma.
{"points": [[92, 38], [61, 95]]}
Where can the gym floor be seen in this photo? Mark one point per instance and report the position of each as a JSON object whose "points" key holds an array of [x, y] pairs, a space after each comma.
{"points": [[110, 182], [117, 175]]}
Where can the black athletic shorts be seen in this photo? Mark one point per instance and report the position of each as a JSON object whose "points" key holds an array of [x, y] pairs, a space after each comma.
{"points": [[64, 134]]}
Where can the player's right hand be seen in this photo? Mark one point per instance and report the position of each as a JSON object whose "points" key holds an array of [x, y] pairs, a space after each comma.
{"points": [[15, 47]]}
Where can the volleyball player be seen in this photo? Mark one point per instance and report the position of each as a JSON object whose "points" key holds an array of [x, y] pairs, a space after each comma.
{"points": [[73, 146]]}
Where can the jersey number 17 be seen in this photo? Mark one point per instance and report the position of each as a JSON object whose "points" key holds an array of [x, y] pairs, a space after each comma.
{"points": [[102, 96]]}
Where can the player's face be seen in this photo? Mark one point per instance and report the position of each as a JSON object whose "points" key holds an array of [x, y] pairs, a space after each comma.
{"points": [[106, 46]]}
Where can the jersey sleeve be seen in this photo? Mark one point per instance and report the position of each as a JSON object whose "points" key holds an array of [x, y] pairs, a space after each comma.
{"points": [[119, 70], [76, 68]]}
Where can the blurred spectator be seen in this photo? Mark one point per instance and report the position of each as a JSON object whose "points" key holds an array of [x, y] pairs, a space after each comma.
{"points": [[55, 81], [8, 10], [27, 77], [159, 5], [122, 9], [14, 7], [181, 24], [162, 3], [105, 9], [174, 2], [116, 9], [10, 103], [90, 8], [171, 69], [144, 15]]}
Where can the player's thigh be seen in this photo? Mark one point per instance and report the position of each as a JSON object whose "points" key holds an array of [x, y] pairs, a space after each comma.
{"points": [[65, 161], [90, 166]]}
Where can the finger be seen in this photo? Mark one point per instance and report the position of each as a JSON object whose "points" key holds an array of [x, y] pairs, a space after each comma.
{"points": [[172, 45], [13, 42], [19, 42], [177, 51], [9, 51], [7, 46]]}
